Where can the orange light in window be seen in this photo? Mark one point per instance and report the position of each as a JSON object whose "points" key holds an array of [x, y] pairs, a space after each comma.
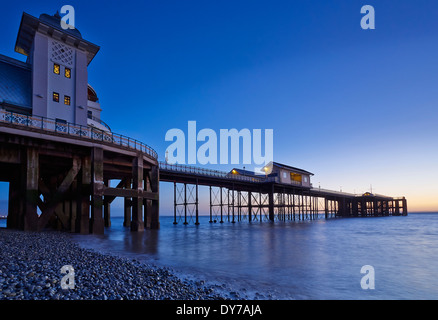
{"points": [[56, 68]]}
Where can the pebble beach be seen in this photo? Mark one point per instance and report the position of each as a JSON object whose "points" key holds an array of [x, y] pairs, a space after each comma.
{"points": [[31, 262]]}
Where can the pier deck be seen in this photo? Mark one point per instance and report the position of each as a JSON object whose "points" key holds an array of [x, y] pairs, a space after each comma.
{"points": [[256, 198], [60, 175]]}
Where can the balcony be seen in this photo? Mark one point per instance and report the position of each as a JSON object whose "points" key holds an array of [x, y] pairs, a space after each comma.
{"points": [[70, 129]]}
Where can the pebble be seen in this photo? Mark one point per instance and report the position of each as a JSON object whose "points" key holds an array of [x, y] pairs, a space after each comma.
{"points": [[31, 262]]}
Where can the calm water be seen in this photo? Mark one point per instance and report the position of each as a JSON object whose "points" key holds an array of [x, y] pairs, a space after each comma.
{"points": [[293, 260]]}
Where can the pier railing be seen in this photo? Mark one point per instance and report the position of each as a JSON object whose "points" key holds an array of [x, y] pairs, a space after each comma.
{"points": [[209, 172], [70, 129]]}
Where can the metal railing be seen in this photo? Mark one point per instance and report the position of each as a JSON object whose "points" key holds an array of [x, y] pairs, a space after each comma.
{"points": [[70, 129], [99, 121], [209, 172]]}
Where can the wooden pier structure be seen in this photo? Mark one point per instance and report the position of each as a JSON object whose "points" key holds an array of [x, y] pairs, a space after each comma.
{"points": [[59, 175], [65, 166], [236, 197]]}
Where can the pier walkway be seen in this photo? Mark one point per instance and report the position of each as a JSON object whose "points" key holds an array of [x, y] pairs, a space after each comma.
{"points": [[60, 176], [236, 197]]}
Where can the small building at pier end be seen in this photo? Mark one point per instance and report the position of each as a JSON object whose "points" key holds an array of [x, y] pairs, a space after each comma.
{"points": [[279, 173]]}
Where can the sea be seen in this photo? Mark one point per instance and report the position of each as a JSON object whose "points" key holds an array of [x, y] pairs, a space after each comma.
{"points": [[372, 258]]}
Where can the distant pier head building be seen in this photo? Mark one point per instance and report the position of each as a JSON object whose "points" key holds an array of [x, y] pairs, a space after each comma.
{"points": [[279, 173], [278, 192], [55, 151]]}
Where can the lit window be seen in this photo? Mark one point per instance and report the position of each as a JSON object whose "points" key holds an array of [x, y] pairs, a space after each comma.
{"points": [[56, 69], [67, 100], [67, 72], [56, 96]]}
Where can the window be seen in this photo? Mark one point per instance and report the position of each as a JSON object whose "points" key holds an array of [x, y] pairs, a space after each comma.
{"points": [[56, 68], [90, 114], [295, 177], [56, 96], [67, 73], [67, 100]]}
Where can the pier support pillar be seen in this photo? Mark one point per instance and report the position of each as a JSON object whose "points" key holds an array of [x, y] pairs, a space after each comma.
{"points": [[397, 208], [127, 206], [82, 223], [137, 223], [405, 206], [197, 204], [152, 209], [271, 204], [30, 222], [107, 207], [107, 212], [249, 206], [97, 223]]}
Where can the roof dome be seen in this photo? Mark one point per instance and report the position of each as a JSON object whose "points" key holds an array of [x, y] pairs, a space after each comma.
{"points": [[55, 21]]}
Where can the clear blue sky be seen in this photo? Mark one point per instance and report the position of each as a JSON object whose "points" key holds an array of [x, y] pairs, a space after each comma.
{"points": [[356, 107]]}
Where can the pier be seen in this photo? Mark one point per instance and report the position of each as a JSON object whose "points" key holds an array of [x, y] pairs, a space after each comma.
{"points": [[59, 175], [234, 197], [61, 159]]}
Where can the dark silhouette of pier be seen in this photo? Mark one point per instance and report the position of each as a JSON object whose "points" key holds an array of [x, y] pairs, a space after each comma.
{"points": [[59, 176], [235, 197]]}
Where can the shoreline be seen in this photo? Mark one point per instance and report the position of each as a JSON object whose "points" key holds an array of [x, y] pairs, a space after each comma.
{"points": [[31, 263]]}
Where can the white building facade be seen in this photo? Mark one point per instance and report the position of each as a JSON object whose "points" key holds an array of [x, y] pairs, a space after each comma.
{"points": [[55, 69]]}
